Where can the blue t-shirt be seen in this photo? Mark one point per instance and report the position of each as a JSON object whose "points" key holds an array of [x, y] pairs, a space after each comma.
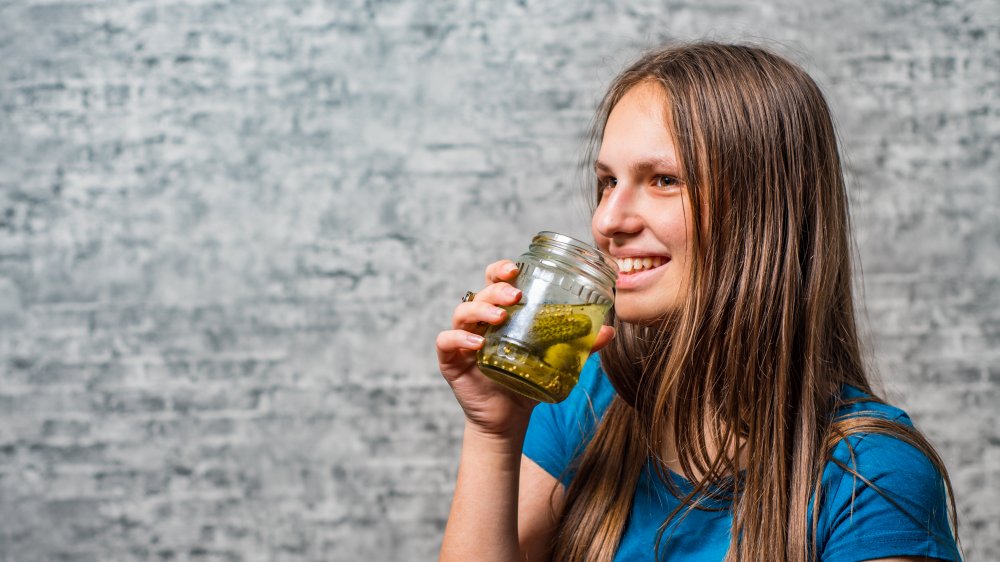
{"points": [[855, 522]]}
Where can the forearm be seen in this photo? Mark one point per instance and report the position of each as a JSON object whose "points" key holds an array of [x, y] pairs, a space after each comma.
{"points": [[482, 524]]}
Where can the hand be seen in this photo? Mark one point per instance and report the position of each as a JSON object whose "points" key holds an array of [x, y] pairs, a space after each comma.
{"points": [[489, 407]]}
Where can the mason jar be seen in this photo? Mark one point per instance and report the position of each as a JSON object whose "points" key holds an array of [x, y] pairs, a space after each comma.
{"points": [[567, 287]]}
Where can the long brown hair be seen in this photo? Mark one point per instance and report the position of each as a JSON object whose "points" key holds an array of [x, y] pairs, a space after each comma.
{"points": [[755, 359]]}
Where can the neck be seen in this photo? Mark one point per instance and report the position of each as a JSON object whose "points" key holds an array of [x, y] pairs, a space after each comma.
{"points": [[670, 454]]}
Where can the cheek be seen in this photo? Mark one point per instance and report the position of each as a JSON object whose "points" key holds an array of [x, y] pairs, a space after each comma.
{"points": [[674, 232]]}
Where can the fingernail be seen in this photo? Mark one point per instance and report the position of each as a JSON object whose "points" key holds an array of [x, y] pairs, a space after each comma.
{"points": [[474, 339], [512, 292], [497, 312], [510, 268]]}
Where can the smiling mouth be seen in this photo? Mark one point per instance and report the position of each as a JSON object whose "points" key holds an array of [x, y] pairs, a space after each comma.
{"points": [[637, 264]]}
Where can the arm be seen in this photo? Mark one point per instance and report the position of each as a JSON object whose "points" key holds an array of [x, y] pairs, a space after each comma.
{"points": [[539, 505], [482, 524], [486, 522], [483, 521], [501, 508], [894, 509]]}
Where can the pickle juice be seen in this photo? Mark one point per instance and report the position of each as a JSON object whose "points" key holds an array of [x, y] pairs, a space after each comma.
{"points": [[542, 348]]}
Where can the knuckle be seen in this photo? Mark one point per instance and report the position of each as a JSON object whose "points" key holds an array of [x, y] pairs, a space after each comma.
{"points": [[494, 293]]}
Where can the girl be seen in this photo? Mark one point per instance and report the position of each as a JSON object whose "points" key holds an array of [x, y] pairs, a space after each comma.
{"points": [[727, 415]]}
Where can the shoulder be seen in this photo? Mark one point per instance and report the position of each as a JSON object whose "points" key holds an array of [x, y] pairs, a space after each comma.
{"points": [[881, 493], [856, 403], [874, 439], [558, 433]]}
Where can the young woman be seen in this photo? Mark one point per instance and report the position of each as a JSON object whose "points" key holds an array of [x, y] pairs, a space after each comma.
{"points": [[728, 414]]}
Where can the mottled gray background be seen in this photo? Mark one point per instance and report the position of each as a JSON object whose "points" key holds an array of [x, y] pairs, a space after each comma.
{"points": [[229, 232]]}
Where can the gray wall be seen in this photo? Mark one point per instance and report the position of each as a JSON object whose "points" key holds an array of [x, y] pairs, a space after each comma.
{"points": [[229, 233]]}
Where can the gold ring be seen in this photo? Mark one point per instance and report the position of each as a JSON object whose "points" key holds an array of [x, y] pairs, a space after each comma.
{"points": [[469, 295]]}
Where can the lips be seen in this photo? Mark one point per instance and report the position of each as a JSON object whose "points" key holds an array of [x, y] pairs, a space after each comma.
{"points": [[636, 272]]}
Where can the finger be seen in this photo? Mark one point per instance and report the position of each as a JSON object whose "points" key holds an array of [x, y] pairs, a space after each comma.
{"points": [[503, 270], [456, 351], [450, 342], [476, 315], [501, 293], [604, 337]]}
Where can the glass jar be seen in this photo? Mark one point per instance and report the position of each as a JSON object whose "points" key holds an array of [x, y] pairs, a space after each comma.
{"points": [[567, 287]]}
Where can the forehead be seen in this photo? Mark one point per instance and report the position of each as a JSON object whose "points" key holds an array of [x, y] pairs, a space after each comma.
{"points": [[648, 93], [638, 126]]}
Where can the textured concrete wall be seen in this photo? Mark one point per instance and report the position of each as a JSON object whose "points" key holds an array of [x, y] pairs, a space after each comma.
{"points": [[229, 232]]}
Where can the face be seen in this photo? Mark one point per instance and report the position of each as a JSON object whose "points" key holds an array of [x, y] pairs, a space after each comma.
{"points": [[643, 219]]}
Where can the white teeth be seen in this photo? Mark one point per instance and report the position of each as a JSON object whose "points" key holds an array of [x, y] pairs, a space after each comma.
{"points": [[626, 265]]}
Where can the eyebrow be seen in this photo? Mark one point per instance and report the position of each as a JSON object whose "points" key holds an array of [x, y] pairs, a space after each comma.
{"points": [[641, 166]]}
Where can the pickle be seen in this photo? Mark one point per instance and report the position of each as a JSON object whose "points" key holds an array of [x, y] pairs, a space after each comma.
{"points": [[540, 351], [555, 324], [564, 357]]}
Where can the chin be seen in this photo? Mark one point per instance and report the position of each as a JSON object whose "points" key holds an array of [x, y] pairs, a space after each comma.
{"points": [[637, 313]]}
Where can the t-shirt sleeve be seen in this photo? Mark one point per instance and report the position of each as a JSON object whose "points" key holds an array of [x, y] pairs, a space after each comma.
{"points": [[897, 508], [557, 433]]}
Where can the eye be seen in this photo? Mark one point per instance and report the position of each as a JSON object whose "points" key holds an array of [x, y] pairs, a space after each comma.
{"points": [[606, 183], [666, 182]]}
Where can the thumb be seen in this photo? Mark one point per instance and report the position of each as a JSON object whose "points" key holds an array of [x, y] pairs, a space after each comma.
{"points": [[604, 337]]}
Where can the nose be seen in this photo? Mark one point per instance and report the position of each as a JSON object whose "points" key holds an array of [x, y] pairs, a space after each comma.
{"points": [[617, 213]]}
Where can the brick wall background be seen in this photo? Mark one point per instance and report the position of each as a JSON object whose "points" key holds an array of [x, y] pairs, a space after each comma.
{"points": [[229, 232]]}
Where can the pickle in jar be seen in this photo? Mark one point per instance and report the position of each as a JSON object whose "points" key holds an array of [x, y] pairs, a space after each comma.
{"points": [[544, 348]]}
